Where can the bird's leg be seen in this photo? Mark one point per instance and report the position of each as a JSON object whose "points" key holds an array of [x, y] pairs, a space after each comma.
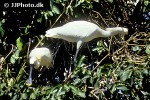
{"points": [[89, 50], [47, 77], [79, 43], [29, 81]]}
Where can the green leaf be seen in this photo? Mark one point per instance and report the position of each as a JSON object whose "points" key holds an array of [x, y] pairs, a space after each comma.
{"points": [[24, 96], [33, 96], [122, 87], [66, 87], [11, 82], [113, 88], [145, 71], [54, 91], [96, 85], [111, 1], [60, 91], [125, 75], [146, 3], [19, 43], [50, 13], [15, 57], [56, 9], [81, 94], [76, 81], [80, 61], [145, 93], [2, 31], [39, 20], [45, 15], [77, 91], [148, 49], [85, 77], [53, 97]]}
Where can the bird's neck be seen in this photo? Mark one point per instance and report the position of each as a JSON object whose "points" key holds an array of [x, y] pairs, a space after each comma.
{"points": [[103, 33]]}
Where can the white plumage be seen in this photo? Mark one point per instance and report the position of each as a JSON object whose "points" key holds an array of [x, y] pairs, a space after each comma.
{"points": [[39, 57], [82, 31]]}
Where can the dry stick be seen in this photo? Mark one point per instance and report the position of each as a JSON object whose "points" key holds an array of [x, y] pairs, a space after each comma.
{"points": [[110, 44], [8, 54], [58, 18], [29, 48], [18, 76], [40, 41], [61, 14], [100, 62], [94, 95], [68, 77], [100, 16]]}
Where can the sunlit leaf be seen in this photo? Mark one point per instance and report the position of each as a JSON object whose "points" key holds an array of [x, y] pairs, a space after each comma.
{"points": [[122, 87], [55, 90], [81, 61], [145, 71], [53, 97], [66, 87], [125, 75], [81, 94], [148, 49], [85, 77], [14, 57], [24, 96], [45, 15], [96, 0], [39, 20], [60, 91], [111, 1], [2, 31], [10, 82], [50, 13], [56, 9], [146, 2], [76, 81], [76, 91], [145, 93], [19, 44], [113, 88], [33, 96]]}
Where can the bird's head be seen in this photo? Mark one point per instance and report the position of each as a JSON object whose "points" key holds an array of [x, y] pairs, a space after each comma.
{"points": [[52, 32], [125, 31], [117, 30], [35, 62]]}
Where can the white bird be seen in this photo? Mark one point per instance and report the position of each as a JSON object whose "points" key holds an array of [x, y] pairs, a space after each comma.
{"points": [[39, 57], [82, 31]]}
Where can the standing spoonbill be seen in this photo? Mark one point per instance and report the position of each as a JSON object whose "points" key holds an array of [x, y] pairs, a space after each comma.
{"points": [[82, 31]]}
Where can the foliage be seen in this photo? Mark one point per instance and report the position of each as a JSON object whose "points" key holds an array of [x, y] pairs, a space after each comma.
{"points": [[115, 68]]}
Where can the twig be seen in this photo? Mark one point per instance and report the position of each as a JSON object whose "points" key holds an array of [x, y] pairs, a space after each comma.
{"points": [[40, 41], [58, 18], [100, 62], [29, 47], [68, 77], [61, 14], [101, 17], [7, 54]]}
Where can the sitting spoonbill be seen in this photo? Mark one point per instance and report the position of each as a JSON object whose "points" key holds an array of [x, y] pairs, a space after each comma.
{"points": [[39, 57]]}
